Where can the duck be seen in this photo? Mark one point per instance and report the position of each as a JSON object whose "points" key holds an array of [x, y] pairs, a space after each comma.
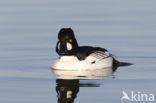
{"points": [[75, 57]]}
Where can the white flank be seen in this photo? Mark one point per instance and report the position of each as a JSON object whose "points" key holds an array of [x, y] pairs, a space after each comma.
{"points": [[91, 62]]}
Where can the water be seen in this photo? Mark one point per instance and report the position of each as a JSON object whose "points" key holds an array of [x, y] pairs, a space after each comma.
{"points": [[28, 35]]}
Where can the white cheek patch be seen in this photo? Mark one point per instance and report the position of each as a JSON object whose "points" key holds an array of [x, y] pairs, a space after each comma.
{"points": [[69, 46], [69, 94], [58, 46]]}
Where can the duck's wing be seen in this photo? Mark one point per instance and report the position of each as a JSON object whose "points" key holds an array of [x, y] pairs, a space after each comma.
{"points": [[96, 52], [100, 55]]}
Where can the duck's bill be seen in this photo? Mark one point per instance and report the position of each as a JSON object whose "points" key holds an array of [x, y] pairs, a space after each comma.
{"points": [[62, 49]]}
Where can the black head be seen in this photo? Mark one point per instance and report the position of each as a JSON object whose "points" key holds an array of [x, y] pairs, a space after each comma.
{"points": [[67, 44]]}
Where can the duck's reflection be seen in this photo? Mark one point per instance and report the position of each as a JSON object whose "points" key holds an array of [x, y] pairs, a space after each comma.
{"points": [[84, 74], [68, 84], [67, 90]]}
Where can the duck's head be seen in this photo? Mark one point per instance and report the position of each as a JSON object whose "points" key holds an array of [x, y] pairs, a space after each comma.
{"points": [[67, 44]]}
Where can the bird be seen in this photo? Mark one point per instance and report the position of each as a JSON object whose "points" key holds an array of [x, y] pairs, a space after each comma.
{"points": [[75, 57]]}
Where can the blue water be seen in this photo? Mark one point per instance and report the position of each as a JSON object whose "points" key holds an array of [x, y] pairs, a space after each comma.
{"points": [[28, 35]]}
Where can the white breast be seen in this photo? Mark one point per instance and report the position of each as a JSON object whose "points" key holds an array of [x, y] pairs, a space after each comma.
{"points": [[96, 60]]}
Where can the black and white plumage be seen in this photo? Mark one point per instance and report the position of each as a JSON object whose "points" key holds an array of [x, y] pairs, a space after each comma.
{"points": [[75, 57]]}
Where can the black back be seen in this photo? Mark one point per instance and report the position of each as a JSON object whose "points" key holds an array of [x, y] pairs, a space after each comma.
{"points": [[84, 51]]}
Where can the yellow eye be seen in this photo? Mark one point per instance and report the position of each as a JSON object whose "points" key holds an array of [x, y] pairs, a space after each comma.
{"points": [[70, 40], [58, 40]]}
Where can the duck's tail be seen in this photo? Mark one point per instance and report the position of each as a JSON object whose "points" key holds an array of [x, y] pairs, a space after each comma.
{"points": [[123, 64], [117, 64]]}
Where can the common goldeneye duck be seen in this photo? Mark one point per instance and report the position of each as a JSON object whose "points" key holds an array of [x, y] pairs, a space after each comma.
{"points": [[75, 57]]}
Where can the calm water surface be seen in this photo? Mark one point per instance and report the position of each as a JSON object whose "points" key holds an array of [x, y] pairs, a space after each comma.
{"points": [[28, 35]]}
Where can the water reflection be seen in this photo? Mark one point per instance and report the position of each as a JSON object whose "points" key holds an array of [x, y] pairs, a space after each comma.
{"points": [[68, 84], [84, 74], [67, 90]]}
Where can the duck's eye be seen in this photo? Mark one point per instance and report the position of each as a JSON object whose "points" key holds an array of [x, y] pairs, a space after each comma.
{"points": [[70, 40]]}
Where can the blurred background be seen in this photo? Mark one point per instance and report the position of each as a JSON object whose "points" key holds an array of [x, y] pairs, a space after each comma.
{"points": [[28, 35]]}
